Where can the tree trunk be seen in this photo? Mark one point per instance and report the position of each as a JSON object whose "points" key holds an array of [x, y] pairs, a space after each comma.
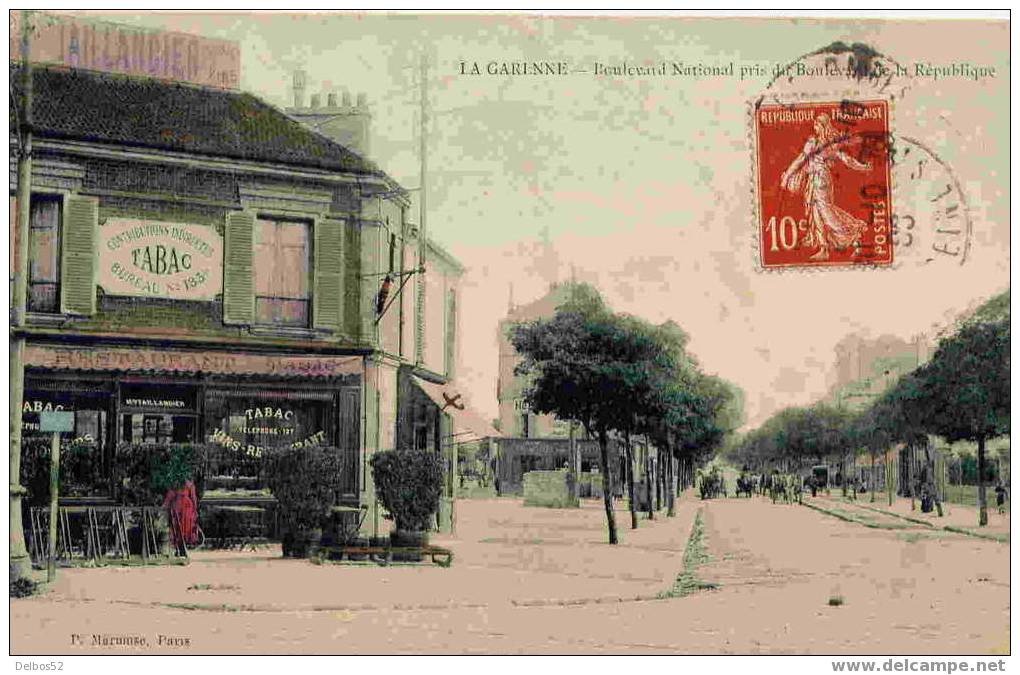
{"points": [[842, 471], [671, 480], [890, 479], [982, 502], [607, 487], [631, 504], [575, 468], [658, 479], [649, 482], [872, 477]]}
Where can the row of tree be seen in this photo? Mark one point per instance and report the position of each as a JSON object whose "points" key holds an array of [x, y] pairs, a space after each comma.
{"points": [[962, 393], [618, 376]]}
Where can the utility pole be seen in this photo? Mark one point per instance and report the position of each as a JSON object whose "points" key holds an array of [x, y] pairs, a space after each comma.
{"points": [[422, 202], [20, 565]]}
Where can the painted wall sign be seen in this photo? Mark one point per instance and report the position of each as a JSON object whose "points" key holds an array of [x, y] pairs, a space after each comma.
{"points": [[177, 361], [154, 259], [100, 45]]}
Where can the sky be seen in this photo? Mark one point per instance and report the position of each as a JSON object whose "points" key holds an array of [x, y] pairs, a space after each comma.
{"points": [[643, 185]]}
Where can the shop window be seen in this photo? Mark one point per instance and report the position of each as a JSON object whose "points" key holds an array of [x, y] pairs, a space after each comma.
{"points": [[282, 255], [158, 429], [84, 453], [242, 428], [421, 438], [44, 254], [158, 415]]}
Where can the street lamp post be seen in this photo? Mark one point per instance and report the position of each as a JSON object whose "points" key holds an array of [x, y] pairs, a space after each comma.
{"points": [[20, 564]]}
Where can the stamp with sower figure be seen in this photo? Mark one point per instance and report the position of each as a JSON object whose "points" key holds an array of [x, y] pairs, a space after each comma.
{"points": [[823, 184]]}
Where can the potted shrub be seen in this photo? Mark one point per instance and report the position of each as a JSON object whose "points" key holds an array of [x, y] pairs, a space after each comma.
{"points": [[306, 483], [409, 484]]}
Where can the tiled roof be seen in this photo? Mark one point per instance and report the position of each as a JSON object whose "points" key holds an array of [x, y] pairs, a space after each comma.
{"points": [[145, 112]]}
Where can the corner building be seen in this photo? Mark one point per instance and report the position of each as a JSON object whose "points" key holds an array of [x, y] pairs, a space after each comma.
{"points": [[204, 269]]}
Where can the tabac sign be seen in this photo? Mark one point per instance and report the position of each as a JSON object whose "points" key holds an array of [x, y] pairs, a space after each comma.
{"points": [[154, 259]]}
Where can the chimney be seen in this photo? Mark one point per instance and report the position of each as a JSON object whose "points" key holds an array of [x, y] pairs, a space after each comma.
{"points": [[347, 124], [299, 89]]}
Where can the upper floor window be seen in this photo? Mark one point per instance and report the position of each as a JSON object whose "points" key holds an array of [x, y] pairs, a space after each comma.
{"points": [[44, 254], [282, 263]]}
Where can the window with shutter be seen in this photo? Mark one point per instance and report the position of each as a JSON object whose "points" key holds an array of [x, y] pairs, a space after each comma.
{"points": [[78, 255], [282, 288], [328, 276], [44, 254], [238, 282]]}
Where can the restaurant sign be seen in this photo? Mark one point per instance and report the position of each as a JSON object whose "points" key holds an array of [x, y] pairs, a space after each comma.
{"points": [[179, 361], [153, 259]]}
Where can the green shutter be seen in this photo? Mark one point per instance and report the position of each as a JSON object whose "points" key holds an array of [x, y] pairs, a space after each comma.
{"points": [[238, 282], [78, 255], [352, 284], [328, 275], [350, 439]]}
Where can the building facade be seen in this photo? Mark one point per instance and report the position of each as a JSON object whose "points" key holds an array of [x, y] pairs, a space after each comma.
{"points": [[532, 441], [205, 270], [515, 418]]}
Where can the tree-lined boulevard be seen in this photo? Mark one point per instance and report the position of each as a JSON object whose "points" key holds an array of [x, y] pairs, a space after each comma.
{"points": [[620, 376], [961, 394], [698, 570]]}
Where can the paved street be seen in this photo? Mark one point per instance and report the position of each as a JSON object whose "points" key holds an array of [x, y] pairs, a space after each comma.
{"points": [[528, 580]]}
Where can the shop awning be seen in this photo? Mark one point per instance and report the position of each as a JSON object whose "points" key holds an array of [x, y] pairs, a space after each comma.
{"points": [[468, 424]]}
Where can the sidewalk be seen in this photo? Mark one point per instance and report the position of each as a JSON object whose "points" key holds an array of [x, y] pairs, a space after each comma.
{"points": [[954, 515], [504, 553]]}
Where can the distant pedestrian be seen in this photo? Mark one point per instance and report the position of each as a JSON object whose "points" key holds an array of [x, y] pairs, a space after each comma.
{"points": [[1000, 497]]}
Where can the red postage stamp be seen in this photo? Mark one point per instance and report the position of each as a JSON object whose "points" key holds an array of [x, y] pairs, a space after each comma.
{"points": [[823, 184]]}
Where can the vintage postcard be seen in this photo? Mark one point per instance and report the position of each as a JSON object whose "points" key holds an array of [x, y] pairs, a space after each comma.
{"points": [[397, 333]]}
